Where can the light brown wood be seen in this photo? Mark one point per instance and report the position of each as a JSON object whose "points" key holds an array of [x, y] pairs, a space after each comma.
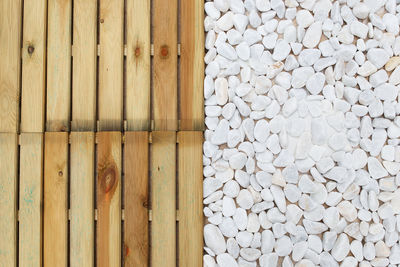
{"points": [[190, 198], [109, 199], [84, 65], [55, 213], [192, 65], [8, 199], [33, 66], [82, 199], [163, 186], [136, 235], [165, 95], [10, 34], [30, 199], [111, 65], [58, 65], [137, 100]]}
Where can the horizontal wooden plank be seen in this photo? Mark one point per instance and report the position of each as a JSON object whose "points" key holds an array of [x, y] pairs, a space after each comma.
{"points": [[8, 199]]}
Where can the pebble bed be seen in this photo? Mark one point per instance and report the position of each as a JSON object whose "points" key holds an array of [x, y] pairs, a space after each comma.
{"points": [[301, 152]]}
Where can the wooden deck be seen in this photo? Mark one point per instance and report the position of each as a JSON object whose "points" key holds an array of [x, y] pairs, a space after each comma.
{"points": [[101, 132]]}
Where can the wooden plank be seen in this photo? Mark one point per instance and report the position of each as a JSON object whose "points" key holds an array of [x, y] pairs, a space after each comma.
{"points": [[190, 198], [111, 65], [137, 101], [33, 66], [84, 65], [109, 199], [136, 162], [8, 199], [82, 200], [10, 34], [192, 65], [163, 184], [55, 213], [30, 199], [165, 108], [58, 65]]}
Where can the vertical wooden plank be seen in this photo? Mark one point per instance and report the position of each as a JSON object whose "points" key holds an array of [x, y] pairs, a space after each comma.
{"points": [[84, 65], [192, 65], [165, 109], [137, 101], [30, 199], [10, 34], [55, 213], [109, 199], [111, 64], [163, 184], [82, 200], [33, 66], [136, 162], [58, 65], [8, 199], [190, 199]]}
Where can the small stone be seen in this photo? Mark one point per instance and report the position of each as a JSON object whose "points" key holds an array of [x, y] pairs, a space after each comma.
{"points": [[313, 35], [244, 199], [283, 246], [376, 169], [341, 247], [226, 260], [214, 239]]}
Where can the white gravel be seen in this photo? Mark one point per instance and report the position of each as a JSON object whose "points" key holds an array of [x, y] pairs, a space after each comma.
{"points": [[302, 147]]}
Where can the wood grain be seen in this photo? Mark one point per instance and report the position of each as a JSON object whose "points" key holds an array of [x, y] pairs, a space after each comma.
{"points": [[55, 213], [82, 200], [58, 65], [10, 34], [33, 66], [8, 199], [165, 108], [136, 235], [84, 65], [30, 199], [137, 101], [110, 108], [190, 198], [109, 199], [163, 186], [191, 65]]}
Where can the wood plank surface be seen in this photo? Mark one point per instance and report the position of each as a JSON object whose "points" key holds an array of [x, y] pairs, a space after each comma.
{"points": [[191, 65], [136, 235], [8, 199], [55, 213], [165, 108], [33, 66], [10, 34], [109, 199], [137, 101], [163, 186], [58, 65], [84, 65], [30, 199], [190, 198], [82, 199], [110, 108]]}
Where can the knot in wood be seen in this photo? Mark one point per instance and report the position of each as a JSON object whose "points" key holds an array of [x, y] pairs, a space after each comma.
{"points": [[60, 173], [137, 52], [108, 179], [31, 49], [164, 52]]}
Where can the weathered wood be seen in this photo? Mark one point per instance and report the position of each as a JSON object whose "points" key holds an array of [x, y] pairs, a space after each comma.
{"points": [[58, 65], [191, 65], [82, 199], [165, 108], [84, 65], [163, 186], [55, 213], [30, 199], [8, 199], [110, 107], [190, 198], [137, 100], [136, 162], [10, 34], [33, 66], [109, 199]]}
